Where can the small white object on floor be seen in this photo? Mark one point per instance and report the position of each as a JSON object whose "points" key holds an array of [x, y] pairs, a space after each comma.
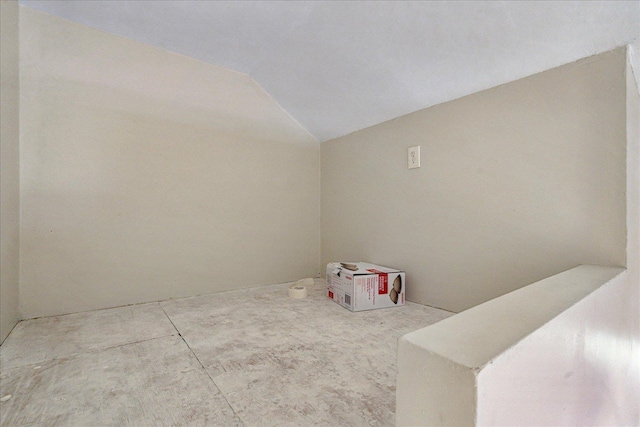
{"points": [[5, 398], [298, 290]]}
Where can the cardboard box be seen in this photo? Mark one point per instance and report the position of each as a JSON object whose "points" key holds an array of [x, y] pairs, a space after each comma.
{"points": [[360, 286]]}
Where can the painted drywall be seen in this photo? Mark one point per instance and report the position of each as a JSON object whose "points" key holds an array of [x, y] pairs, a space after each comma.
{"points": [[563, 351], [517, 183], [628, 301], [535, 357], [591, 353], [147, 175], [579, 369], [582, 367], [9, 168]]}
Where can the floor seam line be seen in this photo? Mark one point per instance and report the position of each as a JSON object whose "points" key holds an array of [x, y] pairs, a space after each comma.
{"points": [[82, 353], [201, 365]]}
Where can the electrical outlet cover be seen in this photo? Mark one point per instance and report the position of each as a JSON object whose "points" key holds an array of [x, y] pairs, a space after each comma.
{"points": [[413, 158]]}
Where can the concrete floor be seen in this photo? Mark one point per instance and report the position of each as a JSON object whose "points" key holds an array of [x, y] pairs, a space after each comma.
{"points": [[252, 357]]}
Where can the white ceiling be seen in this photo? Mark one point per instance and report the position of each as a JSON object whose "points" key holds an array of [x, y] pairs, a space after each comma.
{"points": [[337, 67]]}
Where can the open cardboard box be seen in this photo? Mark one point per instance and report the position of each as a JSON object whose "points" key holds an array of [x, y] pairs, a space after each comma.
{"points": [[360, 286]]}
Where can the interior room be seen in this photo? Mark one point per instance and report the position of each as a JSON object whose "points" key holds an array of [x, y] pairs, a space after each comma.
{"points": [[171, 168]]}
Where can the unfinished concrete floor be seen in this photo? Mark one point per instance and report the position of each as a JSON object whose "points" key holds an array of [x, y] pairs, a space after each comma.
{"points": [[253, 357]]}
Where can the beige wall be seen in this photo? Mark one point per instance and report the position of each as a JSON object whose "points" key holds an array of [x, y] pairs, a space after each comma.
{"points": [[148, 175], [517, 183], [9, 168], [581, 325], [628, 301]]}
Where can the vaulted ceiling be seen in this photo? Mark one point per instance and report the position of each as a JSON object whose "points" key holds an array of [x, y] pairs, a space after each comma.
{"points": [[337, 67]]}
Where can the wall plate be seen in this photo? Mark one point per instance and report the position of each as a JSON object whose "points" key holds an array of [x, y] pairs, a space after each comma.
{"points": [[413, 158]]}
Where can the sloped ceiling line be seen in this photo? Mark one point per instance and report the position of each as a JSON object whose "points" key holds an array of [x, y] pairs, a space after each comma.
{"points": [[338, 67]]}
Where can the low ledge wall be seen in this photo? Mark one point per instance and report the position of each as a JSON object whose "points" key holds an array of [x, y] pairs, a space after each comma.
{"points": [[530, 357]]}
